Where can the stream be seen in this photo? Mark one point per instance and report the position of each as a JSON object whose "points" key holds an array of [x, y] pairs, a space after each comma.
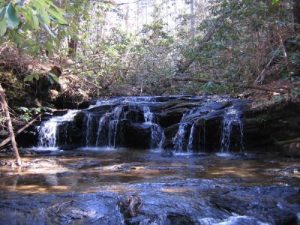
{"points": [[100, 186], [149, 161]]}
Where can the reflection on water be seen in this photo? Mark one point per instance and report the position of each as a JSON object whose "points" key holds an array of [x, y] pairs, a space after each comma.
{"points": [[91, 171]]}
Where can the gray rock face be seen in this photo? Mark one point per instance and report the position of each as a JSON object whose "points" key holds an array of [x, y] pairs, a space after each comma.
{"points": [[199, 202], [180, 123], [183, 123]]}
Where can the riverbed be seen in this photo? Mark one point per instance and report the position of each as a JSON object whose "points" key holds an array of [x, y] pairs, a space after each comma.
{"points": [[127, 186]]}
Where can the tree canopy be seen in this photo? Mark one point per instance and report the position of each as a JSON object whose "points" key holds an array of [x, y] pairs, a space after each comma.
{"points": [[146, 45]]}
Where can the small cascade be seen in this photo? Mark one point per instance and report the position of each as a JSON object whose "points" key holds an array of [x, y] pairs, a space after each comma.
{"points": [[108, 128], [180, 138], [48, 134], [149, 122], [148, 115], [185, 137], [88, 129], [113, 126], [101, 132], [48, 131], [157, 133], [191, 139], [232, 117]]}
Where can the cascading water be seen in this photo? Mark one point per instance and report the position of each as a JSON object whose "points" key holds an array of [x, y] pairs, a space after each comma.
{"points": [[113, 126], [149, 122], [157, 133], [232, 117], [48, 134], [48, 130], [191, 138], [191, 134], [180, 138], [101, 132], [185, 137], [88, 129]]}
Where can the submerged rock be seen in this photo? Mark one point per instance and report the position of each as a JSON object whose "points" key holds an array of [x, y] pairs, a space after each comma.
{"points": [[189, 202]]}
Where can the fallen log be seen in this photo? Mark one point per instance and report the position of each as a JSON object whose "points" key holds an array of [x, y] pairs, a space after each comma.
{"points": [[5, 108], [288, 141], [8, 139], [201, 80]]}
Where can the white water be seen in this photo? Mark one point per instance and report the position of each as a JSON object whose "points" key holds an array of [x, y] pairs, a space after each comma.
{"points": [[191, 138], [113, 126], [88, 130], [157, 133], [179, 140], [185, 139], [48, 130], [101, 128], [232, 117], [186, 130], [107, 131]]}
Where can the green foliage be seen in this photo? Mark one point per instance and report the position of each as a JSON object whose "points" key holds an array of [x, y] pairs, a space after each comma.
{"points": [[250, 34], [53, 78], [242, 47], [37, 76], [32, 77], [277, 98], [26, 114], [20, 22], [213, 88], [296, 92]]}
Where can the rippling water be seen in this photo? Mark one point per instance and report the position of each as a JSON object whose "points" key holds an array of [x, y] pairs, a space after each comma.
{"points": [[90, 169]]}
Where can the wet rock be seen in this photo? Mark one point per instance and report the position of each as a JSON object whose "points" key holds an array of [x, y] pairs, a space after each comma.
{"points": [[85, 164], [131, 206], [265, 126], [125, 124], [190, 201], [136, 135], [262, 203], [177, 219]]}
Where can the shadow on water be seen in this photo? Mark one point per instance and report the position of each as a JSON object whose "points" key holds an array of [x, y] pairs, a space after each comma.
{"points": [[126, 186], [85, 169]]}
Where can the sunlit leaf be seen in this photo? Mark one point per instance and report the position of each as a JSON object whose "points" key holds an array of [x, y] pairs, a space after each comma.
{"points": [[2, 13], [3, 28], [53, 77], [57, 14], [12, 21]]}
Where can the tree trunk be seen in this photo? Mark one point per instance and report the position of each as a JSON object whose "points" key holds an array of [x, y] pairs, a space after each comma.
{"points": [[192, 11], [296, 11], [72, 45], [183, 66], [9, 125]]}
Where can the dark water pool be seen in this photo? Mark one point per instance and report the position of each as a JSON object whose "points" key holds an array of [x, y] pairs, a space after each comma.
{"points": [[173, 189]]}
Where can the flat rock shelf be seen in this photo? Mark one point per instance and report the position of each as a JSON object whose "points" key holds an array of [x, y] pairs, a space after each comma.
{"points": [[177, 160], [127, 186]]}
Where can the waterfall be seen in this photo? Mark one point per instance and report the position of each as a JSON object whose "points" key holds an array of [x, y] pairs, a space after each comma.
{"points": [[157, 133], [48, 134], [88, 129], [113, 126], [232, 117], [184, 140], [108, 128], [148, 115], [48, 130], [180, 138], [101, 135], [141, 122], [191, 139]]}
